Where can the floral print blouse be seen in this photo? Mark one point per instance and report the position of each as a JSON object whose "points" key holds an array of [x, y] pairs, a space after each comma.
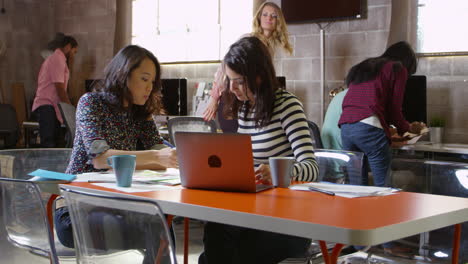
{"points": [[99, 124]]}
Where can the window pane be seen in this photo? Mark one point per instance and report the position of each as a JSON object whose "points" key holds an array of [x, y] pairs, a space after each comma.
{"points": [[188, 30], [144, 24], [236, 20], [442, 26]]}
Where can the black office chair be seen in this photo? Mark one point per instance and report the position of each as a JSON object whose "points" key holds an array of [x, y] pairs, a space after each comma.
{"points": [[315, 133], [189, 124], [68, 112]]}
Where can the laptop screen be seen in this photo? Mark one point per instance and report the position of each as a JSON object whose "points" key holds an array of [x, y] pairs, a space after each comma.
{"points": [[217, 161]]}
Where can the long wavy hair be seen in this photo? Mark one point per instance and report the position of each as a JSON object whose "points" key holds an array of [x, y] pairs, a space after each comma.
{"points": [[279, 37], [250, 58], [400, 52], [114, 86]]}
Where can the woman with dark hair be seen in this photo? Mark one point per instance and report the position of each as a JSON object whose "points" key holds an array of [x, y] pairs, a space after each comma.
{"points": [[117, 119], [277, 124], [52, 84], [269, 26], [373, 103]]}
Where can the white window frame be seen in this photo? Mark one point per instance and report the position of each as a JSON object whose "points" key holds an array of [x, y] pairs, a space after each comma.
{"points": [[219, 27], [441, 23]]}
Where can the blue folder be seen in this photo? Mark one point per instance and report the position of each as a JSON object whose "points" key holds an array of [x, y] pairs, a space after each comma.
{"points": [[52, 175]]}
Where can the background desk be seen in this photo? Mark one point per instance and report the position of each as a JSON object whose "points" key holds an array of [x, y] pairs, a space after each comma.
{"points": [[361, 221], [437, 169], [427, 150]]}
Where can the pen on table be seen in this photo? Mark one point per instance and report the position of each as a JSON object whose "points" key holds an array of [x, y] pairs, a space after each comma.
{"points": [[167, 143], [99, 181], [321, 191]]}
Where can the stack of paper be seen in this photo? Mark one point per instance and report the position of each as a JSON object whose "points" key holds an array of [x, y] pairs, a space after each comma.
{"points": [[138, 187], [346, 190], [169, 177], [413, 138]]}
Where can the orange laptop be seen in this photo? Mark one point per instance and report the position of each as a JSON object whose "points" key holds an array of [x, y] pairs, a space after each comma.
{"points": [[214, 161]]}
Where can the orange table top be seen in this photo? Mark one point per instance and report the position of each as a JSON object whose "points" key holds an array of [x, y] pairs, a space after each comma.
{"points": [[360, 221]]}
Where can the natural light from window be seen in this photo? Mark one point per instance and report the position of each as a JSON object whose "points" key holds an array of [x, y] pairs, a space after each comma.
{"points": [[188, 30], [442, 26]]}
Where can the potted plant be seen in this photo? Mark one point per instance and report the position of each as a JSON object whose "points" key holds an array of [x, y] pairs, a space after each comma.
{"points": [[437, 125]]}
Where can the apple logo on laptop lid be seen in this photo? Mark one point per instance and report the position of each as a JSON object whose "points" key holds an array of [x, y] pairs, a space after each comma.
{"points": [[214, 161]]}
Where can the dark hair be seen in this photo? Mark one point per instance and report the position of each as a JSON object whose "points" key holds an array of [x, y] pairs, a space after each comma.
{"points": [[114, 86], [61, 40], [250, 58], [400, 52]]}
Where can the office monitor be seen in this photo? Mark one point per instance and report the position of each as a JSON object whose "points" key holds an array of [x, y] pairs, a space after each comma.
{"points": [[174, 96], [415, 99]]}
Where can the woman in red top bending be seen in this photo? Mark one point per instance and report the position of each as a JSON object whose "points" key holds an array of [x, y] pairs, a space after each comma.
{"points": [[373, 103]]}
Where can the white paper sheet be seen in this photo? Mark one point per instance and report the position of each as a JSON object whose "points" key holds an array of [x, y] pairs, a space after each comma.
{"points": [[138, 187], [200, 89], [346, 190], [170, 176]]}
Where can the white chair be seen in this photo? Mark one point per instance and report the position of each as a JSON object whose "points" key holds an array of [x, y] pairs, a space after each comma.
{"points": [[68, 112], [189, 124], [110, 229], [340, 166], [25, 217]]}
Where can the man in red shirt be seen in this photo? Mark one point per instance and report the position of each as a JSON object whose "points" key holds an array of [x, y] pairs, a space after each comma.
{"points": [[52, 88]]}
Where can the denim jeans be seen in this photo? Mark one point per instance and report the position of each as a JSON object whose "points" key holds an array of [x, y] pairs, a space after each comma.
{"points": [[373, 142]]}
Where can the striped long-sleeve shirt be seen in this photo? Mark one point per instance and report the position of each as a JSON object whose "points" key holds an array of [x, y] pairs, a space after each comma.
{"points": [[287, 134]]}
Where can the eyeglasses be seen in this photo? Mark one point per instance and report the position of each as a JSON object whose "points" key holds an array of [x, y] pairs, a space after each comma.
{"points": [[272, 15]]}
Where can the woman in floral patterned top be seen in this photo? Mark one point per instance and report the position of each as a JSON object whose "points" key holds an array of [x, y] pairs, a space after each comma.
{"points": [[117, 119]]}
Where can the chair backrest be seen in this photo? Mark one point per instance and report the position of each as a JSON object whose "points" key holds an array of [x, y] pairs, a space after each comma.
{"points": [[126, 230], [9, 128], [25, 218], [340, 166], [189, 124], [315, 133], [68, 112]]}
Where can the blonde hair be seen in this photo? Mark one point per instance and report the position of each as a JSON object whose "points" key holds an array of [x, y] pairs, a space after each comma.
{"points": [[279, 36]]}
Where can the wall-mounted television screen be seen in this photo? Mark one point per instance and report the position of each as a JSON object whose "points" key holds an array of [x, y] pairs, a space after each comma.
{"points": [[304, 11]]}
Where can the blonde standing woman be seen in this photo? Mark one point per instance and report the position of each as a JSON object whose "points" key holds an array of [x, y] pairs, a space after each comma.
{"points": [[269, 26]]}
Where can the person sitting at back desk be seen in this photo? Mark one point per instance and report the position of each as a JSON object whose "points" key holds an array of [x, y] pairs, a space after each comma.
{"points": [[277, 124], [114, 120], [331, 133]]}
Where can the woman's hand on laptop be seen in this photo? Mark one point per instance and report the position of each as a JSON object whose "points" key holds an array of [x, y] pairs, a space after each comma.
{"points": [[262, 174]]}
